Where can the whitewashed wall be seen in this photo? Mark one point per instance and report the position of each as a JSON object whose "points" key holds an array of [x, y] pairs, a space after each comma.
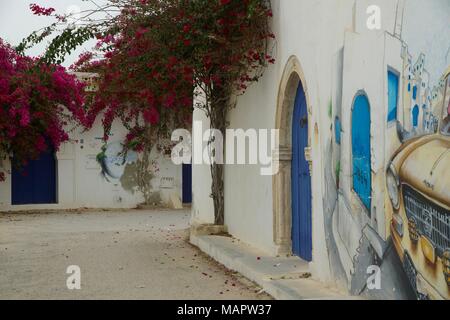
{"points": [[202, 203], [338, 56], [313, 31], [80, 183]]}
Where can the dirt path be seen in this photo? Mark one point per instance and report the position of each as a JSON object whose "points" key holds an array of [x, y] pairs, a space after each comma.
{"points": [[121, 255]]}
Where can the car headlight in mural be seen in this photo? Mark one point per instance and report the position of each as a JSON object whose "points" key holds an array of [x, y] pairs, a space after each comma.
{"points": [[392, 185], [398, 224], [413, 231]]}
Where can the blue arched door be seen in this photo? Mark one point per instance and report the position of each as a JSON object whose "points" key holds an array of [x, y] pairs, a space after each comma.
{"points": [[361, 153], [301, 181], [36, 182]]}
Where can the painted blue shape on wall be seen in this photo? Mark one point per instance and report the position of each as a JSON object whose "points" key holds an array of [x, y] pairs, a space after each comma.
{"points": [[415, 92], [36, 182], [415, 116], [361, 150], [337, 129], [301, 181], [392, 96]]}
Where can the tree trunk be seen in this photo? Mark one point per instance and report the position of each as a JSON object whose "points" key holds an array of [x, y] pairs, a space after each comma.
{"points": [[218, 122], [144, 174], [218, 194]]}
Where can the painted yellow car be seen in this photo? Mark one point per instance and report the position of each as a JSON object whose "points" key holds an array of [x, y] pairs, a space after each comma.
{"points": [[418, 185]]}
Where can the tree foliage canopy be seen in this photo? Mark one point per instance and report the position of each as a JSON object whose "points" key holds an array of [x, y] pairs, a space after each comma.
{"points": [[38, 102], [154, 56]]}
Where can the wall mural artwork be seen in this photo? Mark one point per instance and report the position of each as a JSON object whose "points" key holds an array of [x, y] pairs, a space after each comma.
{"points": [[135, 173], [113, 160], [418, 184], [412, 252], [420, 115]]}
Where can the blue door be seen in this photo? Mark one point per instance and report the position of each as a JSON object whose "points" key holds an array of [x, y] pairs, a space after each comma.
{"points": [[361, 154], [187, 183], [415, 116], [36, 182], [301, 181]]}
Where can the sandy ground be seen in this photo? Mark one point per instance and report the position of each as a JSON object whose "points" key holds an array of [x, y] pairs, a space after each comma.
{"points": [[122, 255]]}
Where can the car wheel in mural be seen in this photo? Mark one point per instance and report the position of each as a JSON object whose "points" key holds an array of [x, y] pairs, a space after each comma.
{"points": [[418, 184]]}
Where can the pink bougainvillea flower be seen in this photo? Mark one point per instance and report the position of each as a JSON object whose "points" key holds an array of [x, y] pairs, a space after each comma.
{"points": [[151, 116], [35, 101], [169, 100], [41, 11], [40, 144]]}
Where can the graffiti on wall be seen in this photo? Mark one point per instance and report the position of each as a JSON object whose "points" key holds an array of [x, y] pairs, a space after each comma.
{"points": [[113, 160]]}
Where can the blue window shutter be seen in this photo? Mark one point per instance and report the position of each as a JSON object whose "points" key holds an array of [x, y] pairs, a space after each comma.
{"points": [[393, 83], [415, 92]]}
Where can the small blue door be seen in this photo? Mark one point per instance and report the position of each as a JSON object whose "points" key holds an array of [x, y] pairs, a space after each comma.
{"points": [[36, 182], [415, 116], [301, 181], [361, 154], [187, 183]]}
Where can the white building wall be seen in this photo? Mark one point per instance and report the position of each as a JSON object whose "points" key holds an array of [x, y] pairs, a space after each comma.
{"points": [[338, 56], [81, 184], [202, 204], [313, 31]]}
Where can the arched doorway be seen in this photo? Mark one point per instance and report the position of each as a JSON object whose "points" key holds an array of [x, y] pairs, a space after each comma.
{"points": [[300, 180], [361, 150], [292, 79]]}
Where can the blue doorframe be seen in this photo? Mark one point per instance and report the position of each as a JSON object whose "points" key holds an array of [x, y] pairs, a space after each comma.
{"points": [[301, 181], [36, 182], [187, 183]]}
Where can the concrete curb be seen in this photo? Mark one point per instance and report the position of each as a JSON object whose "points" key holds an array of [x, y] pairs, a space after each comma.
{"points": [[284, 278]]}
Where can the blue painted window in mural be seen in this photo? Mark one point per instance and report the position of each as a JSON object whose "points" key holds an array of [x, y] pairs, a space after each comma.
{"points": [[415, 92], [337, 129], [392, 96], [415, 116], [361, 154]]}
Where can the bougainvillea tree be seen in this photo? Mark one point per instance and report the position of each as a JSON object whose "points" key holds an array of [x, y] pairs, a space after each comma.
{"points": [[38, 104], [230, 51], [158, 54], [142, 84]]}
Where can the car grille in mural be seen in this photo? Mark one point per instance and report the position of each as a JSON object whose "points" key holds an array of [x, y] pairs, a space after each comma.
{"points": [[432, 221]]}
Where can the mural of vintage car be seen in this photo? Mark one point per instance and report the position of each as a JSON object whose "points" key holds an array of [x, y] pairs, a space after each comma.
{"points": [[418, 185]]}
